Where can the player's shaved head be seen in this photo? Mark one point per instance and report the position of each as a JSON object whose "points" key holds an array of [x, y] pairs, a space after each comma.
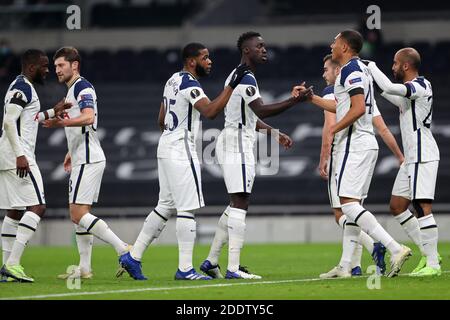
{"points": [[410, 56], [191, 50], [243, 38], [31, 57]]}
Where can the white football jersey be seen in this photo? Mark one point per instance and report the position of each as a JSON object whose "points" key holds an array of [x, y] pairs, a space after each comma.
{"points": [[21, 88], [239, 117], [83, 142], [360, 135], [416, 112], [182, 120], [328, 93]]}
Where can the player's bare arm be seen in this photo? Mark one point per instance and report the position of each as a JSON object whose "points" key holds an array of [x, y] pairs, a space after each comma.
{"points": [[279, 136], [67, 163], [210, 109], [162, 112], [86, 118], [357, 110], [327, 139], [388, 138], [56, 111], [268, 110]]}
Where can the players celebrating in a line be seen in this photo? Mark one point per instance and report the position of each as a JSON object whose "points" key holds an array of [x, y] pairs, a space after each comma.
{"points": [[85, 159], [351, 241], [178, 164], [234, 151], [355, 145], [416, 179]]}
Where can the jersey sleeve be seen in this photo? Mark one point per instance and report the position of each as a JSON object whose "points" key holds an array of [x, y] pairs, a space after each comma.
{"points": [[248, 89], [21, 94], [376, 111], [328, 93], [354, 83], [86, 98], [415, 89], [191, 90]]}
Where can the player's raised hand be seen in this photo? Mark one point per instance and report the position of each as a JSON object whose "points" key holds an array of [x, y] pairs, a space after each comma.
{"points": [[67, 163], [284, 140], [23, 166], [61, 106], [238, 74]]}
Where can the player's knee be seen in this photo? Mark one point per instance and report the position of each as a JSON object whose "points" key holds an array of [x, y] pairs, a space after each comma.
{"points": [[422, 207], [395, 208], [240, 200], [39, 209], [164, 211]]}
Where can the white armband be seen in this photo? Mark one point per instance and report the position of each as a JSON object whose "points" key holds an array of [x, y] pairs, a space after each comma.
{"points": [[44, 115]]}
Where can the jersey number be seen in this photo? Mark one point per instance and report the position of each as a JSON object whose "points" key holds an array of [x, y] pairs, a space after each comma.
{"points": [[369, 100], [170, 122]]}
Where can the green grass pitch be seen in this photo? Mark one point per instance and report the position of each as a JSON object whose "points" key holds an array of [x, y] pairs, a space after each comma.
{"points": [[289, 271]]}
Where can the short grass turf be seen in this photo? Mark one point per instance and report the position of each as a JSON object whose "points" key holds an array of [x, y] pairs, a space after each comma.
{"points": [[289, 271]]}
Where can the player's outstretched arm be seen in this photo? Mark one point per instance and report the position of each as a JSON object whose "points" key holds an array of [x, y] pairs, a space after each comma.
{"points": [[384, 83], [388, 138], [86, 118], [210, 109], [279, 136], [357, 110], [326, 104], [269, 110], [56, 111]]}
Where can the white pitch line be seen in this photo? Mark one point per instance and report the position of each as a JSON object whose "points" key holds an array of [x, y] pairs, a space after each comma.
{"points": [[218, 285]]}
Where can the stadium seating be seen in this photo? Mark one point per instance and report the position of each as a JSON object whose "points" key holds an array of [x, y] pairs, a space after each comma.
{"points": [[129, 85]]}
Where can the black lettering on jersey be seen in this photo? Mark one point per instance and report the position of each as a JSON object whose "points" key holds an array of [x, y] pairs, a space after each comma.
{"points": [[195, 93], [250, 91]]}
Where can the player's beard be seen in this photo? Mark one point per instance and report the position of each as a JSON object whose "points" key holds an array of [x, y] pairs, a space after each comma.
{"points": [[398, 76], [39, 79], [200, 71]]}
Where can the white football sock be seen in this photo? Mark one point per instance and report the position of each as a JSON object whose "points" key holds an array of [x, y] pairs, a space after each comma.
{"points": [[429, 236], [366, 241], [357, 255], [153, 226], [236, 234], [186, 231], [25, 231], [220, 238], [9, 231], [100, 229], [366, 220], [364, 238], [410, 224], [85, 241], [349, 243]]}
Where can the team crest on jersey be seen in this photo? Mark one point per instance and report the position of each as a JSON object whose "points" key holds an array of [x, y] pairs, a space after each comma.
{"points": [[352, 81], [250, 91], [195, 93]]}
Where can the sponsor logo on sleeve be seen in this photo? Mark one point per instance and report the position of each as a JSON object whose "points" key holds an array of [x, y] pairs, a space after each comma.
{"points": [[355, 80]]}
